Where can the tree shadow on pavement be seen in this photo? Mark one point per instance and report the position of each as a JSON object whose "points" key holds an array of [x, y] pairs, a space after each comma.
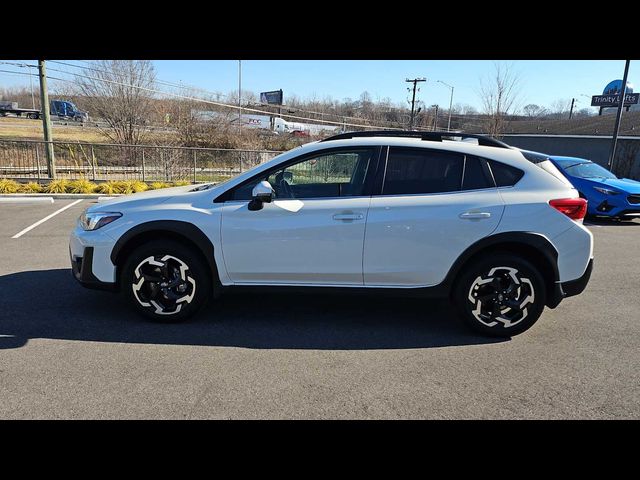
{"points": [[50, 304]]}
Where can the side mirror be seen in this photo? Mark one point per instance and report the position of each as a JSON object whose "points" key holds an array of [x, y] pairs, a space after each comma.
{"points": [[261, 193]]}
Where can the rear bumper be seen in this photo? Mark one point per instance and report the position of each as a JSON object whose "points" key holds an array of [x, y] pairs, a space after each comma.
{"points": [[82, 270], [577, 286], [569, 289]]}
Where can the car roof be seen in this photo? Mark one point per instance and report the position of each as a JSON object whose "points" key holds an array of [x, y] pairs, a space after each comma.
{"points": [[449, 145]]}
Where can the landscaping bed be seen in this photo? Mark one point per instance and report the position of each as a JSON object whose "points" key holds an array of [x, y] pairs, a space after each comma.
{"points": [[8, 186]]}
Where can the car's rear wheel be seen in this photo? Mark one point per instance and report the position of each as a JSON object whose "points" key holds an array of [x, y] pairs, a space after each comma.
{"points": [[500, 295], [166, 281]]}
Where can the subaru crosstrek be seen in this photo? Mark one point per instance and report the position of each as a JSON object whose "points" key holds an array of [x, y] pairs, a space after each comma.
{"points": [[496, 229], [606, 194]]}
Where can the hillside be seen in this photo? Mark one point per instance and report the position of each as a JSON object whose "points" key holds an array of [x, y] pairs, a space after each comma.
{"points": [[604, 125]]}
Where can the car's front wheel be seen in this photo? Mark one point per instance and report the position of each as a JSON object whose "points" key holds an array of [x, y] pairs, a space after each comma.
{"points": [[165, 281], [500, 295]]}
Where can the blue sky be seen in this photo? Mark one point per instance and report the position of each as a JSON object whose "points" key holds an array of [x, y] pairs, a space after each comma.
{"points": [[542, 81]]}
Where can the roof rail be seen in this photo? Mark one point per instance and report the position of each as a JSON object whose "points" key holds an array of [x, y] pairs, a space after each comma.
{"points": [[429, 136]]}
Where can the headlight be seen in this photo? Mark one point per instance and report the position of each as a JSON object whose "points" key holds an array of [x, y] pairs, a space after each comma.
{"points": [[95, 220], [606, 191]]}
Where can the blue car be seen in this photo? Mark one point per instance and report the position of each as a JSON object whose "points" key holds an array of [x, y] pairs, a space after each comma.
{"points": [[608, 195]]}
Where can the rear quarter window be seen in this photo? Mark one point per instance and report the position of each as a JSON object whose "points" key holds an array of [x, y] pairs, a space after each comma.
{"points": [[505, 175]]}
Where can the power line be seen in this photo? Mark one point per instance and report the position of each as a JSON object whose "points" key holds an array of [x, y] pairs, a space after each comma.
{"points": [[224, 105], [193, 87], [162, 82], [219, 104], [218, 94]]}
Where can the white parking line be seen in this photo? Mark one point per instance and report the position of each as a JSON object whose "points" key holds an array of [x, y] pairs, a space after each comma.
{"points": [[40, 222]]}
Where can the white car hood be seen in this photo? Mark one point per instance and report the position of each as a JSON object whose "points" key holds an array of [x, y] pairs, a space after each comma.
{"points": [[151, 197]]}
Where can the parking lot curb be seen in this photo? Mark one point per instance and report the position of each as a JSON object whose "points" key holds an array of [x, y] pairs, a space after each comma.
{"points": [[7, 199], [58, 196]]}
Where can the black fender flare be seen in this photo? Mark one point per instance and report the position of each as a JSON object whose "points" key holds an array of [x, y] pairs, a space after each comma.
{"points": [[184, 229], [530, 239]]}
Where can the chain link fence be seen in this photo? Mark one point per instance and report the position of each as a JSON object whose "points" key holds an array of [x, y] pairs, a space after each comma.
{"points": [[27, 160]]}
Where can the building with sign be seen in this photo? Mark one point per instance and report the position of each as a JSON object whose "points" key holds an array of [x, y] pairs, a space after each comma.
{"points": [[610, 97]]}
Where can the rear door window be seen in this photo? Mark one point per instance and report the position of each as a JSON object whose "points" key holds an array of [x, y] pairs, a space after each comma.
{"points": [[422, 171], [476, 175]]}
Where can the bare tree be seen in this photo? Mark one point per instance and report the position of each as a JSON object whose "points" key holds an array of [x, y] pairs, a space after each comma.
{"points": [[584, 112], [534, 111], [560, 108], [464, 109], [499, 94], [114, 92]]}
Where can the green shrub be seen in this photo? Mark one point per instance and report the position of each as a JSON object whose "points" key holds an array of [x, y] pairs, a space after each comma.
{"points": [[81, 186], [57, 186], [106, 188], [181, 183], [139, 186], [157, 185], [123, 186], [30, 187], [9, 186]]}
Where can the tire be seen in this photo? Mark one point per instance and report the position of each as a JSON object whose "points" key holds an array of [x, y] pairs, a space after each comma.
{"points": [[166, 281], [489, 278]]}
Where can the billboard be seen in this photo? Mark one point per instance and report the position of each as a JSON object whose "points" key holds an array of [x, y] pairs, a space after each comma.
{"points": [[273, 98]]}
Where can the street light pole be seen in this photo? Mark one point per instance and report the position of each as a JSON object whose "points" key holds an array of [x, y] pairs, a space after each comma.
{"points": [[623, 93], [240, 95], [33, 99], [450, 104]]}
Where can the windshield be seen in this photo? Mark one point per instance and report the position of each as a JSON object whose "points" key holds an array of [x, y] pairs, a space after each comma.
{"points": [[589, 170]]}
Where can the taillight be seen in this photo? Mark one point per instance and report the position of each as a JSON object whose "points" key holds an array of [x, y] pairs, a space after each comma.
{"points": [[574, 208]]}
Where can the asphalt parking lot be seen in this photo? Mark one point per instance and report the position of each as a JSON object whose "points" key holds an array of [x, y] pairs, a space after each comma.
{"points": [[68, 352]]}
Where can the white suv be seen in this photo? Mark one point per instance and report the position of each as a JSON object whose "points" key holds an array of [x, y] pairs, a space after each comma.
{"points": [[496, 229]]}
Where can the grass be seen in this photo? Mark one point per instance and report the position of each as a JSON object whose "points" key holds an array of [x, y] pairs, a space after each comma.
{"points": [[12, 128], [83, 186], [57, 186], [30, 187], [25, 129], [106, 188], [123, 186], [9, 186]]}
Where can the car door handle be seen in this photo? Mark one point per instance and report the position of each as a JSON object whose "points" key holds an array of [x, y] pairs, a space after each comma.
{"points": [[348, 216], [474, 215]]}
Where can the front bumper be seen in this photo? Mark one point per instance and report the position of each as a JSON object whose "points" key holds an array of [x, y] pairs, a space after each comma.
{"points": [[82, 270], [613, 207]]}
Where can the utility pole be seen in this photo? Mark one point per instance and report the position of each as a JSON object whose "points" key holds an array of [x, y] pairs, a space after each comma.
{"points": [[46, 120], [623, 93], [413, 98], [573, 101]]}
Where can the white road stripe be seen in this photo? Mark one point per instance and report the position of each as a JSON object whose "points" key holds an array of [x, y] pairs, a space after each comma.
{"points": [[40, 222]]}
